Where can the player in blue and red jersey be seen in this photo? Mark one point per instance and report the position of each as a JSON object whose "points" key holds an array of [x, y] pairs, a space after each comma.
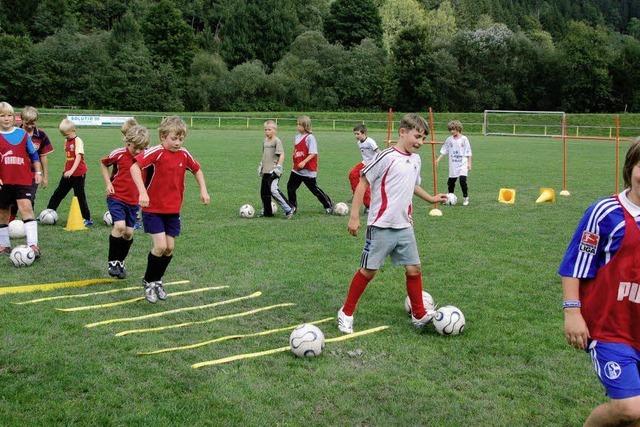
{"points": [[19, 168], [161, 194], [122, 196], [601, 288]]}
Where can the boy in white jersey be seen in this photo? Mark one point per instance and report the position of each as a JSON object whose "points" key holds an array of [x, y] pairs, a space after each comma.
{"points": [[368, 150], [394, 177], [458, 149]]}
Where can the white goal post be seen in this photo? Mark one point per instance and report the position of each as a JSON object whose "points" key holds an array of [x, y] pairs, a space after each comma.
{"points": [[522, 123]]}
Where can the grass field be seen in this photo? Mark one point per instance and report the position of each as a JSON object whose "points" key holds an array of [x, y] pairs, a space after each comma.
{"points": [[496, 262]]}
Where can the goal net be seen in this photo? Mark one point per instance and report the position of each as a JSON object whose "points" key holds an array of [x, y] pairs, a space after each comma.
{"points": [[522, 123]]}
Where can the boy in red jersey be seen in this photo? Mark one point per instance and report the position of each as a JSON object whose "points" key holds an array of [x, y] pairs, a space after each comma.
{"points": [[75, 172], [601, 288], [18, 157], [122, 196], [394, 177], [161, 198]]}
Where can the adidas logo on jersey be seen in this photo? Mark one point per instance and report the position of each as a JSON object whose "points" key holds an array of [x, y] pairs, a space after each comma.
{"points": [[629, 289]]}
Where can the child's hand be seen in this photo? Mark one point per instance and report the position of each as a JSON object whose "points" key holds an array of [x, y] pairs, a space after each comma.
{"points": [[260, 169], [440, 198], [67, 174], [110, 189], [205, 198], [278, 171], [38, 178], [45, 182], [143, 200], [354, 225], [301, 165]]}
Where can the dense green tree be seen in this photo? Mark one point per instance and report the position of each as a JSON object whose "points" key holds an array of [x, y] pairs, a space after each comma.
{"points": [[15, 52], [397, 15], [625, 73], [351, 21], [205, 86]]}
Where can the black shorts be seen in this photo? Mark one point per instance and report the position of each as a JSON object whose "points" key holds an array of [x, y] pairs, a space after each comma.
{"points": [[9, 193]]}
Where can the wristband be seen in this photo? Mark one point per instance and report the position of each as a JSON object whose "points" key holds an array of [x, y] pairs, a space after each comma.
{"points": [[38, 173], [571, 303]]}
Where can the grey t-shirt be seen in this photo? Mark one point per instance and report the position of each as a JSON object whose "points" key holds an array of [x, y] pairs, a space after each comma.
{"points": [[271, 150]]}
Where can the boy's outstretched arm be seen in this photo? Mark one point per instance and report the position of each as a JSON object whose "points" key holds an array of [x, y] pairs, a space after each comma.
{"points": [[358, 195], [136, 175], [107, 179], [419, 191], [204, 195]]}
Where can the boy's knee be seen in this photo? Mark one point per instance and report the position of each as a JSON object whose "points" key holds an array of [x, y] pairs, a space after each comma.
{"points": [[119, 228], [413, 270], [127, 234], [628, 409]]}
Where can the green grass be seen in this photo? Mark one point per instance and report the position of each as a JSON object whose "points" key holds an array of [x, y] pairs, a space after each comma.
{"points": [[496, 262]]}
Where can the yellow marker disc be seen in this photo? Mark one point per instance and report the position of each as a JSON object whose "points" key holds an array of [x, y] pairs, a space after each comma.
{"points": [[177, 310], [281, 349], [229, 337]]}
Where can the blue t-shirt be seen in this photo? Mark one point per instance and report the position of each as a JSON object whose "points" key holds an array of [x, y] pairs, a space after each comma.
{"points": [[596, 240], [14, 137]]}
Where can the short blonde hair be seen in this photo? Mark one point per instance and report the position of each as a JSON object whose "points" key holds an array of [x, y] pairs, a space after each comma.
{"points": [[173, 124], [305, 122], [271, 123], [128, 125], [454, 124], [6, 108], [66, 125], [414, 121], [29, 114], [138, 136]]}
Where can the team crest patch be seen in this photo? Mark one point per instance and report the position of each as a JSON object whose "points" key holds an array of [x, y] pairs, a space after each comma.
{"points": [[589, 242], [612, 370]]}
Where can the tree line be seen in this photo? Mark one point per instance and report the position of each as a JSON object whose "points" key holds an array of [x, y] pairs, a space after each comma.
{"points": [[277, 55]]}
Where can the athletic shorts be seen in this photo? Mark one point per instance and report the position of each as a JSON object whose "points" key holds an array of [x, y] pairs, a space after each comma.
{"points": [[400, 243], [161, 223], [121, 211], [9, 193], [618, 368]]}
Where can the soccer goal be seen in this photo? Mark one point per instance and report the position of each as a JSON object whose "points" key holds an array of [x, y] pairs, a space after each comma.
{"points": [[522, 123]]}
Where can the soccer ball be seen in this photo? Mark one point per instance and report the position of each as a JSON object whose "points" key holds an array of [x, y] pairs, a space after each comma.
{"points": [[427, 300], [449, 320], [341, 209], [16, 229], [452, 199], [107, 218], [247, 211], [274, 207], [48, 217], [22, 256], [306, 341]]}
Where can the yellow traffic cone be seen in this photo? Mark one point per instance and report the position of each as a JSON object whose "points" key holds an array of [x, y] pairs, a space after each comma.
{"points": [[546, 195], [507, 195], [75, 221]]}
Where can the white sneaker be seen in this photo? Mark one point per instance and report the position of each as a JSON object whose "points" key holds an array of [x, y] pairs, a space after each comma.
{"points": [[465, 202], [160, 292], [345, 323], [419, 323], [150, 291]]}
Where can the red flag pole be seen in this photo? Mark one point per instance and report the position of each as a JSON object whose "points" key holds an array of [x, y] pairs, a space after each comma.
{"points": [[432, 141], [564, 191], [389, 126]]}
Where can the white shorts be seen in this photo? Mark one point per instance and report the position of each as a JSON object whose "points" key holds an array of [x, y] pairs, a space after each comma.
{"points": [[400, 243]]}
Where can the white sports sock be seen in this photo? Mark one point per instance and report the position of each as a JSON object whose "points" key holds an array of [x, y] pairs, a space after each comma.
{"points": [[4, 237], [31, 230]]}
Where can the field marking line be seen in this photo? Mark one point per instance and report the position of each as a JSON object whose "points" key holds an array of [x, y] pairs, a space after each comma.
{"points": [[111, 291], [199, 322], [51, 286], [176, 310], [229, 337], [131, 300], [281, 349]]}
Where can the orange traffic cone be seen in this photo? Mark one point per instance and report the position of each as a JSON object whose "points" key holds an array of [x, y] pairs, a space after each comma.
{"points": [[547, 195], [75, 221], [507, 195]]}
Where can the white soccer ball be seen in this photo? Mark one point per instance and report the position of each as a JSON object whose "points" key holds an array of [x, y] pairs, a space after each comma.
{"points": [[449, 320], [247, 211], [452, 199], [306, 341], [427, 300], [107, 218], [341, 209], [16, 229], [274, 207], [22, 256], [48, 217]]}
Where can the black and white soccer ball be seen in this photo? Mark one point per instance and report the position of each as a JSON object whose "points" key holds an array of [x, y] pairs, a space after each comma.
{"points": [[427, 300], [449, 320], [106, 218], [247, 211], [341, 209], [48, 217], [16, 229], [22, 256], [306, 341], [452, 199]]}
